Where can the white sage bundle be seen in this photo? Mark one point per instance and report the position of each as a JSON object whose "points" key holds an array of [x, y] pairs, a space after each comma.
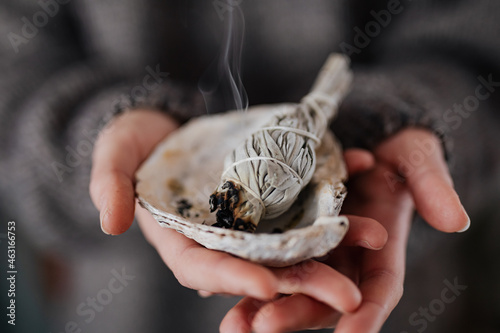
{"points": [[265, 174]]}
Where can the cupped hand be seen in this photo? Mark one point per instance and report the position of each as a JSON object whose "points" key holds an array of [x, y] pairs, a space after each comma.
{"points": [[119, 151], [405, 172]]}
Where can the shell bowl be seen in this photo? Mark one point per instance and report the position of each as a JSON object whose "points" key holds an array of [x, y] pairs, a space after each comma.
{"points": [[174, 184]]}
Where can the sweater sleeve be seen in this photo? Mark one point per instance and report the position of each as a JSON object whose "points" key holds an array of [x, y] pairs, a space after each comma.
{"points": [[432, 66], [61, 81]]}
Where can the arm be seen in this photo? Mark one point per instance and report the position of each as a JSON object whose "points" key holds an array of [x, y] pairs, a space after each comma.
{"points": [[60, 83], [431, 67]]}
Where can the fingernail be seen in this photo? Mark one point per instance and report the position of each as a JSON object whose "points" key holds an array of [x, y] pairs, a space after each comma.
{"points": [[467, 226], [367, 245], [204, 294], [103, 217]]}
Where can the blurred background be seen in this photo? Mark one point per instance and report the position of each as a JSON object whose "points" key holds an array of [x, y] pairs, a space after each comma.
{"points": [[68, 66]]}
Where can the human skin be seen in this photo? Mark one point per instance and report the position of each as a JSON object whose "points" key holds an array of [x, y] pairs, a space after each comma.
{"points": [[355, 287]]}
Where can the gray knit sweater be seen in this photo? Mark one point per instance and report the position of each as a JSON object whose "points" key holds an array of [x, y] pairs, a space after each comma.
{"points": [[66, 67]]}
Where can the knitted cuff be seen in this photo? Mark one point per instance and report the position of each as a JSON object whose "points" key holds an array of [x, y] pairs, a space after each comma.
{"points": [[380, 106], [177, 100]]}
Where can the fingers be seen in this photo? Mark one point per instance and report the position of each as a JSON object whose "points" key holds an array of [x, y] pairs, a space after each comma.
{"points": [[319, 295], [365, 232], [239, 319], [317, 290], [418, 156], [320, 282], [382, 287], [118, 152], [198, 268], [381, 272], [275, 316], [115, 191], [368, 319], [436, 200], [358, 160]]}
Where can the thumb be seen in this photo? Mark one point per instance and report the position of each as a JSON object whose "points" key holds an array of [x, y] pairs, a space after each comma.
{"points": [[417, 155], [118, 153]]}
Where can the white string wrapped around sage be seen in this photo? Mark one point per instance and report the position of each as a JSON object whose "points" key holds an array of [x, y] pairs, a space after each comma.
{"points": [[264, 175]]}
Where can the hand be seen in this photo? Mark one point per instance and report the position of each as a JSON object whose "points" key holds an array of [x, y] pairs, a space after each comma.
{"points": [[387, 192], [120, 150], [118, 153]]}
